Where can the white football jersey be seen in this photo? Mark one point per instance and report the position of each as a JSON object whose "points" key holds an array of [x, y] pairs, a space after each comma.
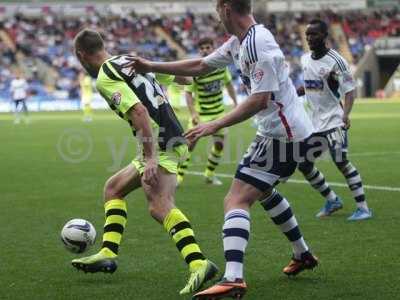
{"points": [[18, 88], [264, 69], [326, 105]]}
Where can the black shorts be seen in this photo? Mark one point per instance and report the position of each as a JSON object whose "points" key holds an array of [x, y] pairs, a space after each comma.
{"points": [[269, 161], [335, 141]]}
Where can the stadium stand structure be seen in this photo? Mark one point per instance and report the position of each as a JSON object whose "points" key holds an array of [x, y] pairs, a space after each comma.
{"points": [[42, 47]]}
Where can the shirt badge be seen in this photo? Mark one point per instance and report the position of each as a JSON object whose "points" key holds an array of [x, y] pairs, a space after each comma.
{"points": [[258, 75], [116, 98]]}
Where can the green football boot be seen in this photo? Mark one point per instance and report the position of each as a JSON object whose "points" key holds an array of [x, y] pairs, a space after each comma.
{"points": [[99, 262], [197, 278]]}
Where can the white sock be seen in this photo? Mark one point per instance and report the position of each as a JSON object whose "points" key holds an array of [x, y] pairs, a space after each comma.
{"points": [[236, 232]]}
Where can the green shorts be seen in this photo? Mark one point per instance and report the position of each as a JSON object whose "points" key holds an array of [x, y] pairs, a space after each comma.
{"points": [[204, 119], [167, 160]]}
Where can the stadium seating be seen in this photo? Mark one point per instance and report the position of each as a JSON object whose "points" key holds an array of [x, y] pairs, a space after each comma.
{"points": [[44, 46]]}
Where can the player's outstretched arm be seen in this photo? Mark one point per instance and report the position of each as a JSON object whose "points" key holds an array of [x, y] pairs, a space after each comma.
{"points": [[192, 110], [254, 104], [188, 67], [182, 80], [348, 106], [247, 109], [142, 124], [232, 93]]}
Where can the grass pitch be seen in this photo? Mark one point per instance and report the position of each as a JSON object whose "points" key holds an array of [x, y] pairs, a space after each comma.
{"points": [[54, 169]]}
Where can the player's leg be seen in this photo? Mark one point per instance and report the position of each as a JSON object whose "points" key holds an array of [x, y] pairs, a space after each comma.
{"points": [[279, 162], [280, 212], [236, 233], [184, 165], [116, 188], [162, 208], [254, 181], [318, 182], [25, 111], [315, 146], [339, 151], [17, 118], [87, 111], [214, 158]]}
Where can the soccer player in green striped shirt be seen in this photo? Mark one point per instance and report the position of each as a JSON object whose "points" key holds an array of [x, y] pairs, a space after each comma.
{"points": [[205, 100], [140, 100]]}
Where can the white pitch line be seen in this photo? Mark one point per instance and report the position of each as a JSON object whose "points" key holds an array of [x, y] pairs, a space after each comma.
{"points": [[374, 153], [337, 184]]}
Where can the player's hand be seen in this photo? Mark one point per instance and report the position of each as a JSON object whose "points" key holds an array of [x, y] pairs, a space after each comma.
{"points": [[138, 65], [193, 135], [347, 122], [150, 174]]}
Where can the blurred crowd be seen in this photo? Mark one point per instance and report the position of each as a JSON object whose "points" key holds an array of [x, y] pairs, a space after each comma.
{"points": [[47, 42], [363, 29]]}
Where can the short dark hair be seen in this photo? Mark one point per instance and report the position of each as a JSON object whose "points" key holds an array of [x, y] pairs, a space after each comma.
{"points": [[242, 7], [322, 25], [205, 41], [88, 41]]}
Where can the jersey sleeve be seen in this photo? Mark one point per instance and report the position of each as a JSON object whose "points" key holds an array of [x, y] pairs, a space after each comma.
{"points": [[117, 92], [263, 76], [346, 80], [221, 57], [165, 79], [227, 77]]}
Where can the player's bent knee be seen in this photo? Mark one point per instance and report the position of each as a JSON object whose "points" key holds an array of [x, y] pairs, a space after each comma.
{"points": [[235, 201], [111, 191], [341, 165], [306, 167]]}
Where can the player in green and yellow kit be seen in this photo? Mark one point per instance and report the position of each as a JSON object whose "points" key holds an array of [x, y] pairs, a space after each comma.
{"points": [[85, 82], [205, 100], [175, 92], [139, 100]]}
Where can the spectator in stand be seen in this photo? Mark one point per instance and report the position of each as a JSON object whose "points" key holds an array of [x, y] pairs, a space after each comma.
{"points": [[48, 40]]}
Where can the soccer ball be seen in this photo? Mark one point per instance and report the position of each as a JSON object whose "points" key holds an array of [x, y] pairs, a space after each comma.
{"points": [[78, 235]]}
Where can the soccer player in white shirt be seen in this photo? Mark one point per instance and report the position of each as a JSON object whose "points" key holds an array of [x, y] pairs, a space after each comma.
{"points": [[283, 125], [19, 93], [328, 79]]}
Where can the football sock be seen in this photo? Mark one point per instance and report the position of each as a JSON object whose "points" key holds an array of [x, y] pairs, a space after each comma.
{"points": [[116, 216], [278, 208], [317, 181], [236, 232], [179, 228], [214, 159], [354, 182]]}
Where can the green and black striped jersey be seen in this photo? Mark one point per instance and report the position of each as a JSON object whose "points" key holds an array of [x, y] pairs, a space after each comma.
{"points": [[123, 90], [208, 92]]}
